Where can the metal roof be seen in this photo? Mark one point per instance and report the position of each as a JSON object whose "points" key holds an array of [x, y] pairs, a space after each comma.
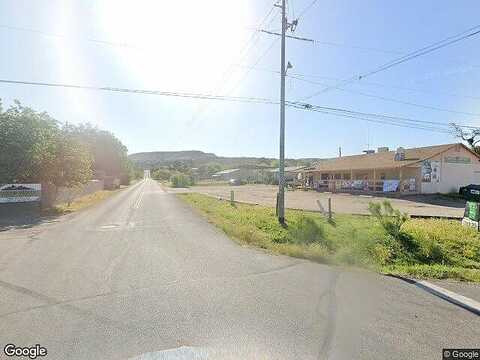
{"points": [[382, 160]]}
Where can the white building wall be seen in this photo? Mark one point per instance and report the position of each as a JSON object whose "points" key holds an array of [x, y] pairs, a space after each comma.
{"points": [[454, 175]]}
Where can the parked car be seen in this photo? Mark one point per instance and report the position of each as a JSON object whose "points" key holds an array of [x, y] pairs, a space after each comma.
{"points": [[234, 182]]}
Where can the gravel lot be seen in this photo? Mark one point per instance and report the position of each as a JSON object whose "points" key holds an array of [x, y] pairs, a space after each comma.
{"points": [[426, 205]]}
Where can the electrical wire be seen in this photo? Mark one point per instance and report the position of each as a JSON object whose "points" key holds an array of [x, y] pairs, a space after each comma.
{"points": [[473, 31], [371, 117], [307, 8], [245, 99], [384, 98], [390, 86], [250, 44]]}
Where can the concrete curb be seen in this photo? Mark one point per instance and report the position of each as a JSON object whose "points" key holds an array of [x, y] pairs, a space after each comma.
{"points": [[450, 296], [457, 299]]}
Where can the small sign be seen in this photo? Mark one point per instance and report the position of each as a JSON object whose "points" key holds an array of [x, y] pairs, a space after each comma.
{"points": [[458, 160], [470, 223], [472, 211], [15, 193]]}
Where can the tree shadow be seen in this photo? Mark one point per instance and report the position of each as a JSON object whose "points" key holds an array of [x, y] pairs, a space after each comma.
{"points": [[24, 216]]}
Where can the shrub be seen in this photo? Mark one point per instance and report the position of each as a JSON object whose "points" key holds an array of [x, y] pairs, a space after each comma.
{"points": [[391, 219], [161, 174], [181, 180], [401, 244], [306, 231]]}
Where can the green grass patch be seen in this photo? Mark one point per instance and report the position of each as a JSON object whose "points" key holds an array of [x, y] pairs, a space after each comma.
{"points": [[431, 248]]}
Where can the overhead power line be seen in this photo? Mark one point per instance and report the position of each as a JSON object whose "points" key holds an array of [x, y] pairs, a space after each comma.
{"points": [[146, 92], [249, 45], [379, 116], [473, 31], [390, 86], [384, 98], [372, 117], [428, 49], [329, 43], [306, 9], [385, 122], [306, 78]]}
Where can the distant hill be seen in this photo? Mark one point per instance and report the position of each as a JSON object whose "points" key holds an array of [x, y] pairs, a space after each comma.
{"points": [[195, 158]]}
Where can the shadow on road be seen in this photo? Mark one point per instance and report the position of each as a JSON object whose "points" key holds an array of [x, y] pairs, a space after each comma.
{"points": [[437, 199], [22, 216]]}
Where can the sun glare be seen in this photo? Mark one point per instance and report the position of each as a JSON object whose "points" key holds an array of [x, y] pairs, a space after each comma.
{"points": [[177, 45]]}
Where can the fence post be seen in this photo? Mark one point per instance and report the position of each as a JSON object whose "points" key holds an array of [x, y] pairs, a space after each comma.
{"points": [[276, 206], [329, 208], [232, 197]]}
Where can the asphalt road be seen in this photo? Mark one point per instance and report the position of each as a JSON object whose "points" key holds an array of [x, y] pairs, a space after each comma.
{"points": [[141, 274]]}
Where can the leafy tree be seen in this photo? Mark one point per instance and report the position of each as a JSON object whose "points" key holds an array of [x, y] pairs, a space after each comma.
{"points": [[73, 161], [181, 180], [108, 152], [33, 148], [27, 146], [161, 174]]}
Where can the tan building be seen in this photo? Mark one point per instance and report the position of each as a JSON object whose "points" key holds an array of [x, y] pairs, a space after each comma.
{"points": [[426, 170]]}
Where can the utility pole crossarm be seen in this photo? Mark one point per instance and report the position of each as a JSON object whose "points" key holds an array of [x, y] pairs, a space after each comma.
{"points": [[288, 36]]}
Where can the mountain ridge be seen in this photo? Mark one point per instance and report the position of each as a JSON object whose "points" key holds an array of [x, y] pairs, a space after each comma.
{"points": [[197, 158]]}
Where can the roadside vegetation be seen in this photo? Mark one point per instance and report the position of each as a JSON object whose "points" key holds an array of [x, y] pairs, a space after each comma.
{"points": [[177, 178], [387, 241], [80, 203], [36, 148]]}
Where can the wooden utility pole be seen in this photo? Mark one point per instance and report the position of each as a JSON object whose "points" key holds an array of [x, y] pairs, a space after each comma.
{"points": [[281, 170]]}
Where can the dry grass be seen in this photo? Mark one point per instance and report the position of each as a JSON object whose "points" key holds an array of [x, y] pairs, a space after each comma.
{"points": [[83, 202]]}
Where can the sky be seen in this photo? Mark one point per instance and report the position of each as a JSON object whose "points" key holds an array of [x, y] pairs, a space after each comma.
{"points": [[213, 47]]}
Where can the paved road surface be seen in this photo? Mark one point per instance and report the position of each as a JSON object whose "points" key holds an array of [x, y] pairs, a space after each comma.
{"points": [[142, 273]]}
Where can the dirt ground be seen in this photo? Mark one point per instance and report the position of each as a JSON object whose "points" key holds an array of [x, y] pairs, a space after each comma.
{"points": [[424, 205]]}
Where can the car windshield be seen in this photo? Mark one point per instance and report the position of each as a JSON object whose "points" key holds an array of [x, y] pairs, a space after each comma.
{"points": [[255, 179]]}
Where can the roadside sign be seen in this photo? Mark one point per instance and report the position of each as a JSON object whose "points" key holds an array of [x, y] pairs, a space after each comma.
{"points": [[470, 223], [472, 211], [19, 193]]}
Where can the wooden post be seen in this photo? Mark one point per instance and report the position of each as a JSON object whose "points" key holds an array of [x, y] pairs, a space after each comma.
{"points": [[232, 197], [400, 176], [374, 179], [330, 209]]}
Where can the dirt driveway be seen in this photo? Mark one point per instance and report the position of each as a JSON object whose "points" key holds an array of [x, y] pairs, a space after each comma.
{"points": [[428, 205]]}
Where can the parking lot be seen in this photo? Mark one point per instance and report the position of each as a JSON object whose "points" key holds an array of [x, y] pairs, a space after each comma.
{"points": [[420, 205]]}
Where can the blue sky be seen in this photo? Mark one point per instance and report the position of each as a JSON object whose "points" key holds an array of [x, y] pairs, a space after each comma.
{"points": [[187, 46]]}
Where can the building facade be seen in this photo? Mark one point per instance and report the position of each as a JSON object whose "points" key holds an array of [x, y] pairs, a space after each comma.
{"points": [[425, 170]]}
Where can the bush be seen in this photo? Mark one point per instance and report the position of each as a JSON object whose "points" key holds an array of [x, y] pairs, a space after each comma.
{"points": [[161, 174], [306, 231], [401, 245], [181, 181], [391, 219]]}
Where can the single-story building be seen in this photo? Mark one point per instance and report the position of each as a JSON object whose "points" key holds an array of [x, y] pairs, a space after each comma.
{"points": [[249, 174], [291, 172], [425, 170]]}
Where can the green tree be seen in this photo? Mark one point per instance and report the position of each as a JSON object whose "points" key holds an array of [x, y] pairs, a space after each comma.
{"points": [[108, 152], [33, 148], [73, 161], [28, 141]]}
